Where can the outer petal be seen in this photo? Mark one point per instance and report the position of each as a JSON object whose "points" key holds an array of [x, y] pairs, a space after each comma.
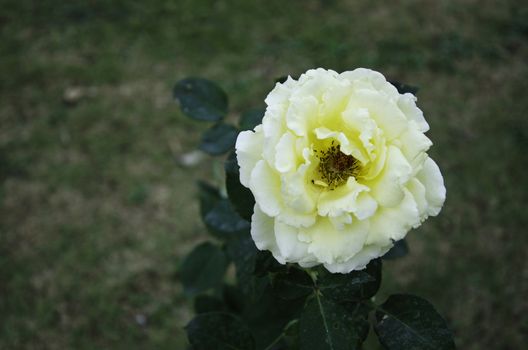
{"points": [[414, 144], [435, 191], [265, 185], [262, 232], [407, 104], [249, 152], [418, 192], [330, 245], [393, 223], [290, 247], [281, 93], [360, 260]]}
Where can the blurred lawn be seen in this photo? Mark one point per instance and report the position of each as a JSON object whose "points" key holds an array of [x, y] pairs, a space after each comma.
{"points": [[95, 212]]}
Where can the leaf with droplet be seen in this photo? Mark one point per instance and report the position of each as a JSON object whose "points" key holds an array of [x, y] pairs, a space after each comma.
{"points": [[201, 99], [219, 139], [203, 269], [219, 331], [408, 322]]}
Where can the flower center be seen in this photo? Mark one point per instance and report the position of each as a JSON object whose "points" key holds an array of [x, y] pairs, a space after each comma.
{"points": [[335, 167]]}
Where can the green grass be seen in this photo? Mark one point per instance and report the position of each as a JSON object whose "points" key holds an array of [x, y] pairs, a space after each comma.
{"points": [[96, 213]]}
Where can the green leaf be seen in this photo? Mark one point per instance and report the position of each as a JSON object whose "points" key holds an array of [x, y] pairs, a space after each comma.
{"points": [[265, 262], [268, 315], [241, 197], [251, 118], [404, 88], [209, 196], [243, 252], [291, 336], [208, 303], [360, 315], [356, 285], [219, 331], [325, 324], [219, 215], [292, 284], [407, 322], [399, 250], [201, 99], [265, 313], [203, 269], [233, 298], [219, 139], [223, 220]]}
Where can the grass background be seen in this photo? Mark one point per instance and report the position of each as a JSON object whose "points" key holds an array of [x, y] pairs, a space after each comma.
{"points": [[96, 213]]}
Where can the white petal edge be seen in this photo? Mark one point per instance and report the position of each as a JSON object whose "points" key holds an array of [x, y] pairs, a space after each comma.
{"points": [[265, 185], [262, 232], [435, 191], [249, 151]]}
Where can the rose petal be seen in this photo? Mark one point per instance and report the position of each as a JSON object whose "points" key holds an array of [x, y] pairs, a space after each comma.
{"points": [[360, 260], [265, 185], [330, 245], [341, 200], [418, 192], [433, 181], [407, 104], [290, 247], [302, 114], [387, 188], [249, 151], [393, 223], [285, 153], [263, 234]]}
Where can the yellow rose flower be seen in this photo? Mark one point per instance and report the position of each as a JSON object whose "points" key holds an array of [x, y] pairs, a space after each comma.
{"points": [[339, 169]]}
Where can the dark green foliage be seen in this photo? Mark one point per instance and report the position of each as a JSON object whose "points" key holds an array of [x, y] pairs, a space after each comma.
{"points": [[223, 220], [219, 331], [240, 196], [219, 139], [251, 118], [208, 303], [265, 262], [218, 214], [201, 99], [325, 324], [268, 315], [233, 298], [244, 253], [292, 284], [399, 250], [203, 269], [254, 299], [355, 285], [407, 322]]}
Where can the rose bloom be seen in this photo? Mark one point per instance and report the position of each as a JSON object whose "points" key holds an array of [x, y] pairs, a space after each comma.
{"points": [[339, 169]]}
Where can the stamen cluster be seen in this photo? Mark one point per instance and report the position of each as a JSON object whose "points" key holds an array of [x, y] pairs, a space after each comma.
{"points": [[335, 167]]}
